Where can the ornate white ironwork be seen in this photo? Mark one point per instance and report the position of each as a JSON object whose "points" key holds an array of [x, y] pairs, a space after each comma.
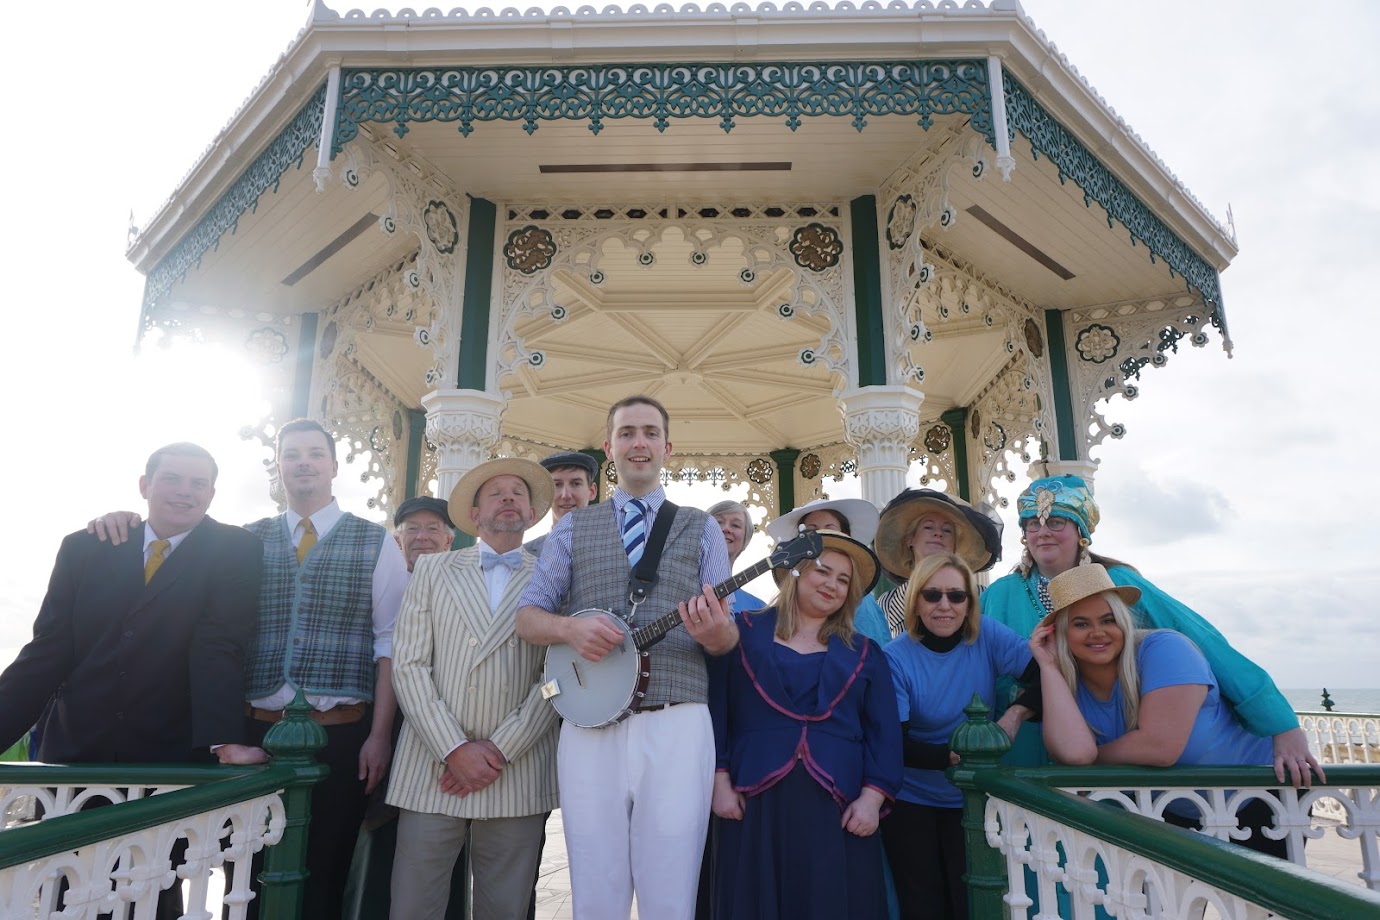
{"points": [[815, 467], [761, 241], [464, 426], [113, 875], [1108, 346], [1005, 422], [1342, 737], [422, 202], [1061, 856]]}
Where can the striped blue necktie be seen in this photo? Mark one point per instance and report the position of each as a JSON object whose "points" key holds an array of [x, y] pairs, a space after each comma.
{"points": [[634, 530]]}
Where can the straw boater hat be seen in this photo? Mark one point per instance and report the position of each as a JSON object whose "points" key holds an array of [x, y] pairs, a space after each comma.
{"points": [[977, 539], [864, 562], [1068, 588], [861, 515], [538, 481]]}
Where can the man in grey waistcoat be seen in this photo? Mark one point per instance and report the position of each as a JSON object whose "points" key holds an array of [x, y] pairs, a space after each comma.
{"points": [[660, 760]]}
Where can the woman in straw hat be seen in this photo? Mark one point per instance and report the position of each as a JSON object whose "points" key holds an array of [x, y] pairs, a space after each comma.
{"points": [[854, 517], [946, 655], [1058, 517], [920, 522], [808, 752], [1115, 694]]}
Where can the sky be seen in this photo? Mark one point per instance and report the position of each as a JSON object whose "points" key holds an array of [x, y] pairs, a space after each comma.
{"points": [[1240, 487]]}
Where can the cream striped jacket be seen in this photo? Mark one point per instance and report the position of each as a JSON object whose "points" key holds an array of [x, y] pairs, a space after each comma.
{"points": [[461, 672]]}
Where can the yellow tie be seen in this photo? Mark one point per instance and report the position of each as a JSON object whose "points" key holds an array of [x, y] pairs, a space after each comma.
{"points": [[160, 549], [307, 542]]}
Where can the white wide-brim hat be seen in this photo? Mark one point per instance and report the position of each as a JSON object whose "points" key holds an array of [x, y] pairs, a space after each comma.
{"points": [[862, 517], [539, 487]]}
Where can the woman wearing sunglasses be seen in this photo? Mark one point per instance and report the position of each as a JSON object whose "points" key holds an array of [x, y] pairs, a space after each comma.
{"points": [[1058, 517], [1115, 694], [946, 654]]}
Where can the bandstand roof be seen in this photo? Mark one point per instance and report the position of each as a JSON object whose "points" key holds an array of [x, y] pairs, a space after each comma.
{"points": [[1089, 216]]}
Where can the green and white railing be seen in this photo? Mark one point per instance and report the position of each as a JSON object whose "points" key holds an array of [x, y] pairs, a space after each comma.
{"points": [[120, 855], [1056, 825]]}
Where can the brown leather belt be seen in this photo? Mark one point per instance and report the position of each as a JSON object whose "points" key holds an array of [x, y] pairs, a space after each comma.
{"points": [[343, 714], [657, 707]]}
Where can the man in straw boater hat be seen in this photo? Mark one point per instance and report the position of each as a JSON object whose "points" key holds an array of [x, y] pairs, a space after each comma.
{"points": [[919, 522], [477, 754]]}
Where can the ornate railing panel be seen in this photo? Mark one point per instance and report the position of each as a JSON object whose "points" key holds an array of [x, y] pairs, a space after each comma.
{"points": [[1342, 737]]}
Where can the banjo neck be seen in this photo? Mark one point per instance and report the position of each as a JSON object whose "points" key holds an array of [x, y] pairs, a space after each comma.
{"points": [[646, 636]]}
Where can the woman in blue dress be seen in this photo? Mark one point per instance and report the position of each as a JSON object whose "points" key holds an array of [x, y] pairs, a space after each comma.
{"points": [[808, 752], [946, 654], [1115, 694], [1058, 518]]}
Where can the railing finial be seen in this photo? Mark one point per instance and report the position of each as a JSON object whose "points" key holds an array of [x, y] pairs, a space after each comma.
{"points": [[1327, 701], [979, 743]]}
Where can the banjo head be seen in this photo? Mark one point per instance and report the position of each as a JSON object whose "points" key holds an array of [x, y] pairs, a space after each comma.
{"points": [[592, 694]]}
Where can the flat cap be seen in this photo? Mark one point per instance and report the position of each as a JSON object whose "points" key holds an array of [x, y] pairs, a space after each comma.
{"points": [[422, 503]]}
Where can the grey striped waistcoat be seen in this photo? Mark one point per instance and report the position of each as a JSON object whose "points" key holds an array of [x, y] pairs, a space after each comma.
{"points": [[599, 578]]}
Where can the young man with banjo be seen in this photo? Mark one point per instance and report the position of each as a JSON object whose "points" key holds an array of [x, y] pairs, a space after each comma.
{"points": [[635, 794]]}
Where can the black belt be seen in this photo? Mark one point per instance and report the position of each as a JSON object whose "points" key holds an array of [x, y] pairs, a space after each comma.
{"points": [[657, 707]]}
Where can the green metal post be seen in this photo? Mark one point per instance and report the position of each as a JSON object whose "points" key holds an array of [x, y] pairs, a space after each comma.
{"points": [[472, 373], [979, 743], [600, 458], [957, 420], [867, 291], [301, 372], [785, 478], [293, 742], [416, 436], [1059, 382]]}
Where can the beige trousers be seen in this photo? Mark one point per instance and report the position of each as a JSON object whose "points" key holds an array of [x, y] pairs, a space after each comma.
{"points": [[504, 853]]}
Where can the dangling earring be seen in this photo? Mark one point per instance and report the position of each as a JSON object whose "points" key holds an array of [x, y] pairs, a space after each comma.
{"points": [[1084, 557]]}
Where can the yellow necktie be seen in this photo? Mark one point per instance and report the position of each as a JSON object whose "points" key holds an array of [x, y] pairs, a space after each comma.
{"points": [[307, 542], [160, 549]]}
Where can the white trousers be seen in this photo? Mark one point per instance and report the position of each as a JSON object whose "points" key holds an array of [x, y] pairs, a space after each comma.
{"points": [[635, 804]]}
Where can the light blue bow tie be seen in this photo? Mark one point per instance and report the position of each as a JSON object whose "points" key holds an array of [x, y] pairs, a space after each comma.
{"points": [[512, 559]]}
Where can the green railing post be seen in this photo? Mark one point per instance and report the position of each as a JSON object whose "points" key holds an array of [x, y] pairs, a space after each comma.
{"points": [[979, 743], [293, 742]]}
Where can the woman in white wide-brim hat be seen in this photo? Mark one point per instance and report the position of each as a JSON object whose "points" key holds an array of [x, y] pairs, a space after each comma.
{"points": [[1115, 694]]}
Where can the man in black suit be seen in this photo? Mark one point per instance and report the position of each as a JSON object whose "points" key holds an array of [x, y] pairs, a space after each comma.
{"points": [[140, 647]]}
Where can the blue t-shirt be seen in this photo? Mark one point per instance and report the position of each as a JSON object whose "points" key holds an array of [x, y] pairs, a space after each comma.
{"points": [[741, 601], [1169, 659], [933, 687]]}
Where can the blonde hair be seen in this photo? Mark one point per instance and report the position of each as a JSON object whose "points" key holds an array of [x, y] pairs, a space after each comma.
{"points": [[839, 623], [1127, 671], [921, 573]]}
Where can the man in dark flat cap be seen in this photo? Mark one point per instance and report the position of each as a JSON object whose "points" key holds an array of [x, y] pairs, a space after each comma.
{"points": [[422, 525], [576, 476]]}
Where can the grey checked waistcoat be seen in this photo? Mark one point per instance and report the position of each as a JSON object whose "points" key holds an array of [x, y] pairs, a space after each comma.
{"points": [[316, 627], [599, 578]]}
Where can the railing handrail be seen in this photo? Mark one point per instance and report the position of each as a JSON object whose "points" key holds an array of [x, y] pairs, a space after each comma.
{"points": [[117, 774], [1343, 715], [70, 832], [1275, 884], [1348, 775]]}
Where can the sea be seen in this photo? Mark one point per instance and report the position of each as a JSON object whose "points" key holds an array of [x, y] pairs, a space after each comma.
{"points": [[1343, 700]]}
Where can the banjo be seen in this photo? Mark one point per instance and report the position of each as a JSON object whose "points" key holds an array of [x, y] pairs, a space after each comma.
{"points": [[593, 694]]}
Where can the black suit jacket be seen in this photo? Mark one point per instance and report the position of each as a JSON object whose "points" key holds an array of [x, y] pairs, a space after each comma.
{"points": [[135, 672]]}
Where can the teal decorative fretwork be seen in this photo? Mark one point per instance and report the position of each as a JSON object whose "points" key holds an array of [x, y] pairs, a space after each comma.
{"points": [[1049, 138], [286, 150], [661, 92]]}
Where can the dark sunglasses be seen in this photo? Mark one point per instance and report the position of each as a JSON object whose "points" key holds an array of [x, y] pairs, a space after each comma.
{"points": [[933, 595]]}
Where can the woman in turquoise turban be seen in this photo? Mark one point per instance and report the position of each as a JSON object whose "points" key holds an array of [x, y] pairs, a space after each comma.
{"points": [[1058, 517]]}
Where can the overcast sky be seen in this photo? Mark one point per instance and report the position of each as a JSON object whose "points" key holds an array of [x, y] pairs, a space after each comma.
{"points": [[1241, 486]]}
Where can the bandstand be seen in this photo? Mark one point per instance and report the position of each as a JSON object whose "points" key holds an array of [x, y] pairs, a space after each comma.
{"points": [[906, 242]]}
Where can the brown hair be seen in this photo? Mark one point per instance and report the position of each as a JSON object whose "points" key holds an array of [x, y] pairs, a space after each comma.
{"points": [[839, 623], [640, 399], [303, 424], [180, 449]]}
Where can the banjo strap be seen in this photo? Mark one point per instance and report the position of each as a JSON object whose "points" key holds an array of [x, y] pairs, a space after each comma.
{"points": [[643, 577]]}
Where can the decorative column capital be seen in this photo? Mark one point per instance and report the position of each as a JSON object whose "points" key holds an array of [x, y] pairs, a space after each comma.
{"points": [[881, 423], [464, 426], [1086, 469]]}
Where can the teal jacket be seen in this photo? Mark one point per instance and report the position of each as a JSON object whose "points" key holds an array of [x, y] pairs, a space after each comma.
{"points": [[1257, 702]]}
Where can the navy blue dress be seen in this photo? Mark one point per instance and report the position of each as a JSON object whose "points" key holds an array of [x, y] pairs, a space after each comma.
{"points": [[801, 735]]}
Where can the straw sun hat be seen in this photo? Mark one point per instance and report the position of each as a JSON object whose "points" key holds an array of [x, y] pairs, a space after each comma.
{"points": [[977, 539], [864, 562], [1068, 588], [539, 487]]}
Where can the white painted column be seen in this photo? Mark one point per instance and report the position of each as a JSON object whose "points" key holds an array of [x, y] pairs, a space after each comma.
{"points": [[1087, 469], [882, 423], [464, 426]]}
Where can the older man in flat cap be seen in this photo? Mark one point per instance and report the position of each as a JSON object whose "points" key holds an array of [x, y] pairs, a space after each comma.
{"points": [[422, 526], [477, 753]]}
